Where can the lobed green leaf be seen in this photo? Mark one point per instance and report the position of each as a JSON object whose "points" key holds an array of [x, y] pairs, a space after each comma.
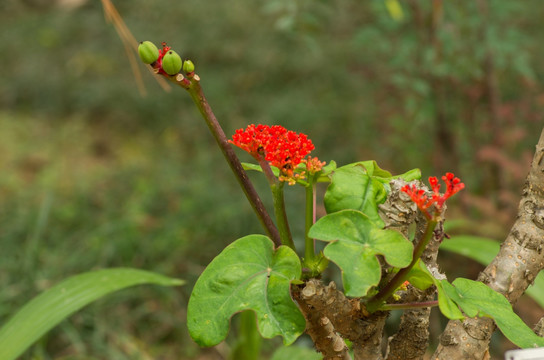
{"points": [[248, 275], [354, 243], [362, 186], [353, 188]]}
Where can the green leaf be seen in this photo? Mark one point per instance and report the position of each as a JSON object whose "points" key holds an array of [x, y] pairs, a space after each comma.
{"points": [[355, 242], [256, 167], [536, 291], [484, 251], [372, 169], [447, 307], [248, 275], [385, 176], [362, 186], [325, 173], [353, 188], [250, 166], [52, 306], [420, 277], [480, 249], [410, 175], [477, 299], [322, 176], [296, 353]]}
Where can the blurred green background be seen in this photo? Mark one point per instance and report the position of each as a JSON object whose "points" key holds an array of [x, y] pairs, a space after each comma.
{"points": [[96, 175]]}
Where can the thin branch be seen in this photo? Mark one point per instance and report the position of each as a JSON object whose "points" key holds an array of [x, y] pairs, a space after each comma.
{"points": [[195, 90]]}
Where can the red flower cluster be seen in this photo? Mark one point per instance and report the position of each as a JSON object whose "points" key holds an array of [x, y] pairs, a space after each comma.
{"points": [[162, 52], [253, 139], [453, 185], [282, 148]]}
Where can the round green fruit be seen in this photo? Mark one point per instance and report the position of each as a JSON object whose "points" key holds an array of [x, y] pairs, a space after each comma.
{"points": [[148, 52], [188, 66], [171, 63]]}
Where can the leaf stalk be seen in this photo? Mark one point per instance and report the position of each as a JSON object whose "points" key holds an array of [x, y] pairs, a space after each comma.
{"points": [[376, 302]]}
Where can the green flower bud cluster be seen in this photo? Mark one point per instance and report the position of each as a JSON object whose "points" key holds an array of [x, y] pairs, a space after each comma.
{"points": [[166, 59]]}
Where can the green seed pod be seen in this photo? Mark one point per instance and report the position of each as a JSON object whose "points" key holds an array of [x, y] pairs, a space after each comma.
{"points": [[171, 63], [148, 52], [188, 66]]}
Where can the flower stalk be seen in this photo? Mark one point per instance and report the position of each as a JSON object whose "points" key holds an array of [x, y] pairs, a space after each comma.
{"points": [[285, 150], [276, 187], [436, 201], [309, 243], [281, 215], [408, 306], [196, 93]]}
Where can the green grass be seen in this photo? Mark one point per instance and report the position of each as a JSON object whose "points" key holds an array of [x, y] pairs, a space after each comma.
{"points": [[78, 197]]}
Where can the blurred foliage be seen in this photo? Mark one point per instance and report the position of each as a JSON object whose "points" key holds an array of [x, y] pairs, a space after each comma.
{"points": [[95, 175]]}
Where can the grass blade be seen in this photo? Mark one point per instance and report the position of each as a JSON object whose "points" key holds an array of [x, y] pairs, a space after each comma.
{"points": [[49, 308]]}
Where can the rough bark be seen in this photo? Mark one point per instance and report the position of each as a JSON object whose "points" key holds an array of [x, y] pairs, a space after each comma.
{"points": [[539, 328], [363, 330], [320, 328], [515, 267], [371, 347], [399, 211], [412, 339]]}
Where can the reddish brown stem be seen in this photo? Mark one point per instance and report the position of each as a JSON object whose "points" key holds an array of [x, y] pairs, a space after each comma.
{"points": [[195, 90]]}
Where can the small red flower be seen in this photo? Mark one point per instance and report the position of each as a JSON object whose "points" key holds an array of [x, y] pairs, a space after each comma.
{"points": [[404, 285], [287, 149], [282, 148], [423, 202], [253, 139], [162, 52]]}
